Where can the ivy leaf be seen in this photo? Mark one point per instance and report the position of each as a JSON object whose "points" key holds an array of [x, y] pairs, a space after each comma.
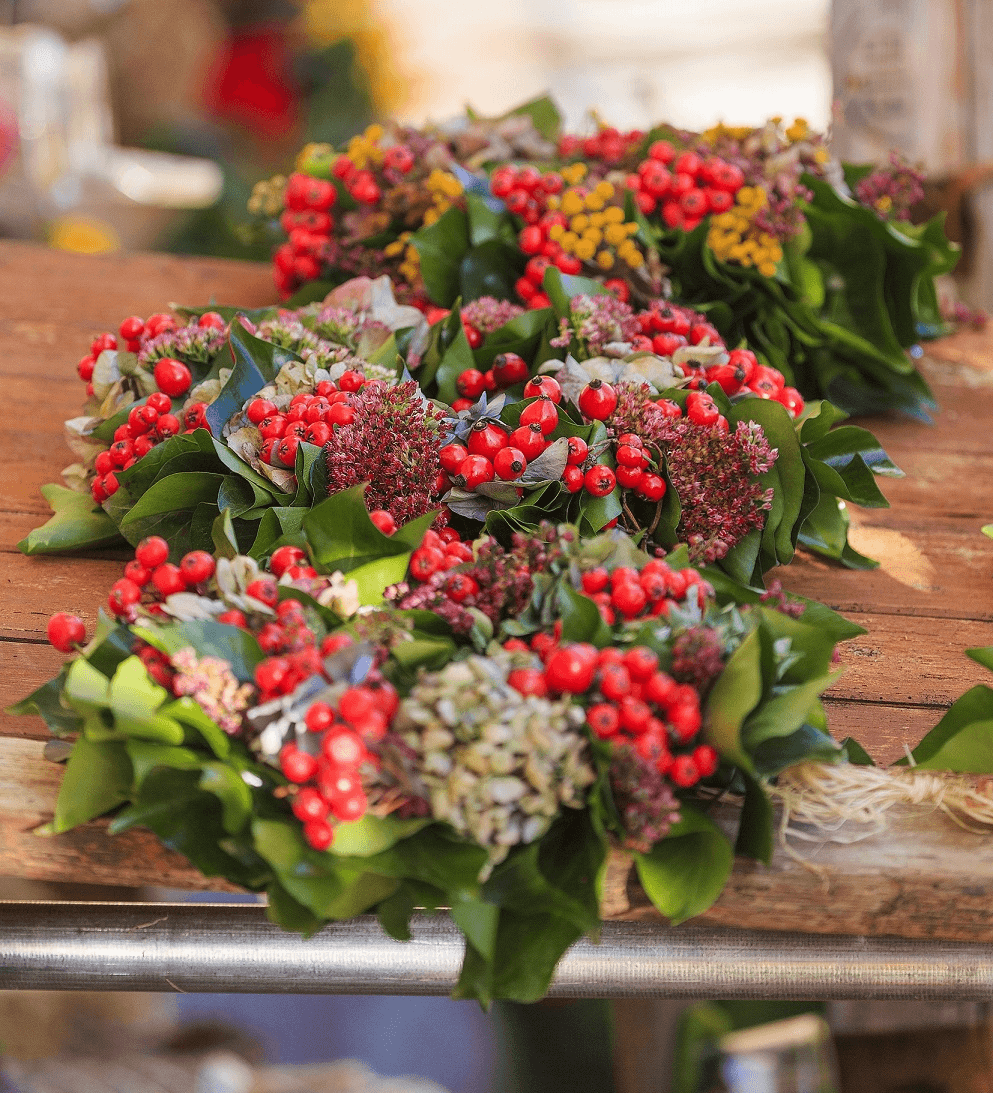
{"points": [[685, 872], [169, 501], [77, 522]]}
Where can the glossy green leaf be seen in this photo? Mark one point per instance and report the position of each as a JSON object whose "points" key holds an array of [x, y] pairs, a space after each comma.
{"points": [[963, 739], [685, 872], [77, 522], [191, 714], [441, 247], [97, 780], [732, 698], [86, 689], [372, 834]]}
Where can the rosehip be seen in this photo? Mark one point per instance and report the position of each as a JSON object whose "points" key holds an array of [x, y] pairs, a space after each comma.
{"points": [[543, 385], [542, 412], [508, 369], [172, 376], [509, 463], [597, 400]]}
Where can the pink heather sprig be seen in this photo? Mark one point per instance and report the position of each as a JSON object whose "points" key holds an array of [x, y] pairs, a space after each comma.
{"points": [[213, 686], [645, 802], [891, 191], [488, 313], [596, 322], [192, 343], [392, 444]]}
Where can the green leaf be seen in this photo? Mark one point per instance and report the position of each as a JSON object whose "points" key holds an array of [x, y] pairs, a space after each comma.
{"points": [[168, 502], [210, 638], [732, 698], [229, 788], [543, 113], [146, 757], [963, 739], [983, 656], [783, 713], [856, 754], [97, 779], [442, 246], [686, 871], [256, 363], [77, 522], [806, 743], [135, 701], [86, 689], [47, 703], [755, 839], [372, 834], [581, 618], [490, 269], [478, 921], [457, 358]]}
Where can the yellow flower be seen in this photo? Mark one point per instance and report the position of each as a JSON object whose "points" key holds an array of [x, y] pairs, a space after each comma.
{"points": [[822, 155], [594, 202], [391, 250], [572, 203], [798, 130], [614, 234], [605, 190], [597, 220], [573, 173], [431, 216], [594, 235], [631, 228], [374, 133], [585, 249], [568, 241], [634, 259], [579, 223], [768, 269], [614, 215], [556, 231], [884, 203], [605, 260], [554, 202]]}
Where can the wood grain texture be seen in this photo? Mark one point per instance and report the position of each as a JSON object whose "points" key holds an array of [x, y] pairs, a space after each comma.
{"points": [[931, 597]]}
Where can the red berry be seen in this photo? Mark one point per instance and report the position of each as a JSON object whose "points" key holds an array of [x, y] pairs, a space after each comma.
{"points": [[599, 480], [263, 589], [285, 556], [573, 478], [660, 689], [684, 771], [528, 681], [452, 455], [701, 408], [597, 400], [508, 369], [651, 486], [384, 521], [528, 439], [706, 759], [298, 766], [629, 598], [197, 566], [470, 383], [570, 669], [172, 376], [595, 580], [475, 470], [641, 662], [578, 451], [634, 714], [131, 328], [65, 631], [167, 579], [615, 682], [234, 617], [509, 463], [167, 426], [259, 409], [426, 560], [486, 438], [543, 385], [319, 834], [152, 551], [603, 719]]}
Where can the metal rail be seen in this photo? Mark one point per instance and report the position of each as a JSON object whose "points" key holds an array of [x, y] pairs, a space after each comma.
{"points": [[233, 948]]}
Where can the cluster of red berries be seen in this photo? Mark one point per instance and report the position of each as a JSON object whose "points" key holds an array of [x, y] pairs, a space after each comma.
{"points": [[309, 417], [530, 285], [326, 776], [308, 223], [440, 551], [607, 144], [632, 594], [685, 187], [361, 183], [628, 700], [151, 570], [148, 424]]}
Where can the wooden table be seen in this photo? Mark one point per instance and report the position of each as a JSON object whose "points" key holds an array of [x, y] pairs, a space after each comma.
{"points": [[931, 598]]}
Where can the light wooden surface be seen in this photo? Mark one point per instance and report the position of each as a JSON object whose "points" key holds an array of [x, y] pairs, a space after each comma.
{"points": [[931, 598]]}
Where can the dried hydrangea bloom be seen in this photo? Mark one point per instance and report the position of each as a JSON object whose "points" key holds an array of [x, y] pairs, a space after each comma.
{"points": [[495, 764]]}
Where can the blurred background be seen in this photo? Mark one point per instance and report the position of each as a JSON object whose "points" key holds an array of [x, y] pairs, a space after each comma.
{"points": [[143, 124]]}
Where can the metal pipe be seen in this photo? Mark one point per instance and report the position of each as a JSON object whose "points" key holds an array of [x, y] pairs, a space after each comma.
{"points": [[224, 947]]}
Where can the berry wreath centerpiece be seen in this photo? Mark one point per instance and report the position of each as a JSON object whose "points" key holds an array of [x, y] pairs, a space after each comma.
{"points": [[814, 263], [354, 740], [589, 411]]}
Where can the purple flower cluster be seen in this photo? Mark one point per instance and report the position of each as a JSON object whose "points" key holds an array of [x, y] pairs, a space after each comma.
{"points": [[392, 444], [697, 657], [644, 799], [891, 191], [713, 472]]}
